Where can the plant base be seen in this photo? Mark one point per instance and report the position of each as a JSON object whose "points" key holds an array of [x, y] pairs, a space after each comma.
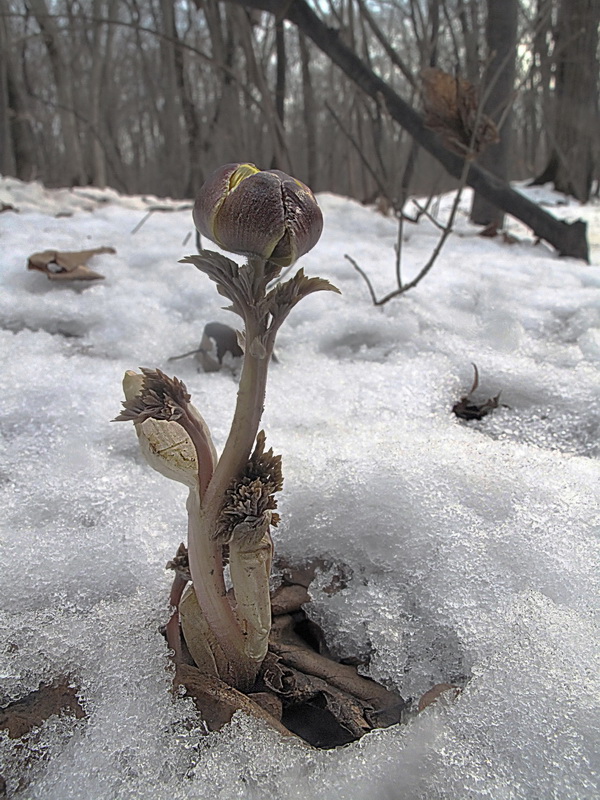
{"points": [[300, 690]]}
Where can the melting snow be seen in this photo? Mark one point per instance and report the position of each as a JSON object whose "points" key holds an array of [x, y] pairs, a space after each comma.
{"points": [[472, 547]]}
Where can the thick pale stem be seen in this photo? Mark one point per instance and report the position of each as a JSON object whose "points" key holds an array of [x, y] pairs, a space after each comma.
{"points": [[248, 413], [206, 568], [204, 552], [205, 455]]}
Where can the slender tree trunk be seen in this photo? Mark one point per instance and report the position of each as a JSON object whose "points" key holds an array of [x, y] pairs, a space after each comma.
{"points": [[174, 150], [18, 153], [467, 17], [188, 109], [499, 84], [280, 76], [543, 78], [98, 157], [257, 75], [428, 58], [8, 164], [309, 113]]}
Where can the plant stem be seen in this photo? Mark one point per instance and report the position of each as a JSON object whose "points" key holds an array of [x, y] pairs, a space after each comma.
{"points": [[248, 411], [206, 567], [205, 558]]}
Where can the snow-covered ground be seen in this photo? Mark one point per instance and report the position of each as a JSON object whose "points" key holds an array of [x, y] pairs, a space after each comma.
{"points": [[473, 547]]}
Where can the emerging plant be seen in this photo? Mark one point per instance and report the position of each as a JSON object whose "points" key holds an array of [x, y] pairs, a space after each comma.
{"points": [[272, 219]]}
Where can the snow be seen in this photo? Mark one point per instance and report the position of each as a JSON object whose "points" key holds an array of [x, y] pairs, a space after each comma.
{"points": [[471, 548]]}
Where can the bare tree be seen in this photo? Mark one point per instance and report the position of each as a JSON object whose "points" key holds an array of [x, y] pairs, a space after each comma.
{"points": [[576, 120], [57, 46], [151, 95], [17, 146], [499, 84], [309, 111]]}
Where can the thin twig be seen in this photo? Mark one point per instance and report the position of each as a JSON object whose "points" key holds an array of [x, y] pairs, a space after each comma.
{"points": [[365, 277], [446, 230], [143, 220], [423, 212], [399, 249], [185, 355]]}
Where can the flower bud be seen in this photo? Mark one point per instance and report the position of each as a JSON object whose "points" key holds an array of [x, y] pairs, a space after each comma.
{"points": [[263, 213]]}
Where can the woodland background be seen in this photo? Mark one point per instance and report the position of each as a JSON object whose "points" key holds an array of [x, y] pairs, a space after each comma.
{"points": [[149, 96]]}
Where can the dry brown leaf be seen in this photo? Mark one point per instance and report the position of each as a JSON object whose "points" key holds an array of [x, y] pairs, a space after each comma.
{"points": [[451, 109], [490, 231], [436, 691], [469, 409], [269, 702], [288, 599], [294, 653], [20, 717], [217, 702], [70, 266]]}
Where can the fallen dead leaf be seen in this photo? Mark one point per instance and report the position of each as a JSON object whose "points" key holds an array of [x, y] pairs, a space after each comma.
{"points": [[467, 408], [70, 266], [435, 693], [21, 716], [218, 702]]}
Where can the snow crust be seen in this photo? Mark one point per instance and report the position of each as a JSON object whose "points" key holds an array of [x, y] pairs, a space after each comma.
{"points": [[472, 549]]}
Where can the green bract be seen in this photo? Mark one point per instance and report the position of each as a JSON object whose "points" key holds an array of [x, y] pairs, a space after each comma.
{"points": [[265, 214]]}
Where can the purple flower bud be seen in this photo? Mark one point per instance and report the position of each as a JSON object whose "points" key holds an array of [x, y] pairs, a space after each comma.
{"points": [[263, 213]]}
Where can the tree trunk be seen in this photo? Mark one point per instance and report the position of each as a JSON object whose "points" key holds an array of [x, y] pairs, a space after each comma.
{"points": [[74, 172], [568, 239], [18, 155], [467, 17], [97, 152], [280, 74], [542, 78], [309, 113], [499, 84], [7, 158], [576, 119], [174, 151]]}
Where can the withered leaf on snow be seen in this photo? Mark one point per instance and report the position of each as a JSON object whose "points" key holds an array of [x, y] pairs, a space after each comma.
{"points": [[70, 266], [469, 409], [50, 699], [436, 692], [219, 346]]}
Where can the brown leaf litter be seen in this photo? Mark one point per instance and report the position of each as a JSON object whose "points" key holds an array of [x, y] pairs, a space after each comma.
{"points": [[468, 408], [67, 266]]}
